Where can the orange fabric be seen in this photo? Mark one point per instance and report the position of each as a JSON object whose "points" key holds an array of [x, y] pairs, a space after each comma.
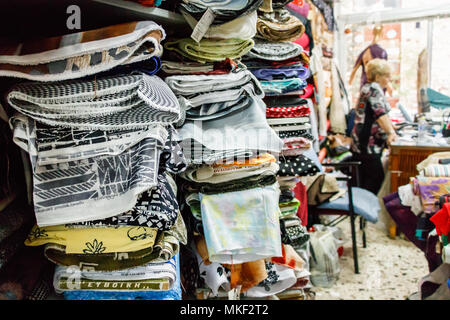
{"points": [[264, 158], [247, 274], [290, 258], [202, 249]]}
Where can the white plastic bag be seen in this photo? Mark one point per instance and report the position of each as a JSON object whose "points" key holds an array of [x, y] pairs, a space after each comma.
{"points": [[324, 263]]}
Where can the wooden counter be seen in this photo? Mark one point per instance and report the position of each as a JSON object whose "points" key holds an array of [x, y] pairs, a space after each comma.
{"points": [[403, 160]]}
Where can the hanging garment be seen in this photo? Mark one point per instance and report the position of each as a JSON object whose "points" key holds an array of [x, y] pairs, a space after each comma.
{"points": [[301, 194], [327, 12], [224, 12], [247, 130], [279, 26], [148, 277], [121, 102], [318, 72], [338, 121], [242, 226], [81, 54], [210, 50], [273, 51], [376, 52], [441, 220], [243, 27]]}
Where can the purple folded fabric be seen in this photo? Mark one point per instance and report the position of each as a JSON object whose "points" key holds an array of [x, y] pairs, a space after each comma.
{"points": [[406, 222], [282, 73]]}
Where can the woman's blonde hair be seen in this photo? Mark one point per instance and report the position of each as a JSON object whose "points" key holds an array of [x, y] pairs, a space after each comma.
{"points": [[377, 67]]}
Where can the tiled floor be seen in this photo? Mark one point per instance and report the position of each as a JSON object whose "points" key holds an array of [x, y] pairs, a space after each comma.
{"points": [[389, 269]]}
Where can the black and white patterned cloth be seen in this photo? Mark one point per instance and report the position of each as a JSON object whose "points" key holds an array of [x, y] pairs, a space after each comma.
{"points": [[297, 166], [155, 208], [89, 189], [132, 101]]}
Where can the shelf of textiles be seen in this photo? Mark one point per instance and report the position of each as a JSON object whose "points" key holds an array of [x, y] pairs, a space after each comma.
{"points": [[97, 125], [249, 134], [144, 183]]}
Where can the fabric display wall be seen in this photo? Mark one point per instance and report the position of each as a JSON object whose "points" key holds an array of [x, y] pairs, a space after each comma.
{"points": [[247, 133], [97, 126]]}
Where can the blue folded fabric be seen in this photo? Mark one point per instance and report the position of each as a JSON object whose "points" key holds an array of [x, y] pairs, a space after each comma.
{"points": [[173, 294], [279, 87], [282, 73], [365, 204]]}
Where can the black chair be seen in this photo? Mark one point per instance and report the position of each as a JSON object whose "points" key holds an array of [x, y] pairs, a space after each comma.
{"points": [[345, 207]]}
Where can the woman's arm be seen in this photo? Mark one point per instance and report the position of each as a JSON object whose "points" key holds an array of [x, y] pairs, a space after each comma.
{"points": [[386, 124]]}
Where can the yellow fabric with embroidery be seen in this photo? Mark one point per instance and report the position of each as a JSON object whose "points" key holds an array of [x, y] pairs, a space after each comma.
{"points": [[94, 240]]}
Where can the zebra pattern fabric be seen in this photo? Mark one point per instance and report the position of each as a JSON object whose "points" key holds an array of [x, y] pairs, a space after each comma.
{"points": [[132, 101], [89, 189]]}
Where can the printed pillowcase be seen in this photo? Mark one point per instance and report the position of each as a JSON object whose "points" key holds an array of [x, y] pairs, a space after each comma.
{"points": [[297, 166]]}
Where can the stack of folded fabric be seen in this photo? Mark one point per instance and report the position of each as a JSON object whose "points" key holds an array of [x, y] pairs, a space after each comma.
{"points": [[230, 186], [103, 151], [282, 67]]}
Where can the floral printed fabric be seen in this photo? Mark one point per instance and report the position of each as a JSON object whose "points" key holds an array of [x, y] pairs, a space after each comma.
{"points": [[367, 135], [242, 226], [94, 240], [430, 189]]}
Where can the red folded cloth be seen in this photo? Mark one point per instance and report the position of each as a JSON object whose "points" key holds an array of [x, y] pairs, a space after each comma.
{"points": [[288, 112], [441, 220]]}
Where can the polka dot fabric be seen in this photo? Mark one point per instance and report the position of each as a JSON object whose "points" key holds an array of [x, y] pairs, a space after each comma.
{"points": [[297, 166]]}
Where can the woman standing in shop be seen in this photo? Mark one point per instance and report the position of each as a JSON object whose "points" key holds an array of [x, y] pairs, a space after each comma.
{"points": [[373, 130]]}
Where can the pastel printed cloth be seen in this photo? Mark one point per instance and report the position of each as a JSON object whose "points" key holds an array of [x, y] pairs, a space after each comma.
{"points": [[242, 226], [80, 54], [430, 189]]}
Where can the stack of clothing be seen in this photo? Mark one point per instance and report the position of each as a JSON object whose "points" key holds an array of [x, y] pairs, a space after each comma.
{"points": [[230, 33], [230, 187], [98, 127], [282, 67]]}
